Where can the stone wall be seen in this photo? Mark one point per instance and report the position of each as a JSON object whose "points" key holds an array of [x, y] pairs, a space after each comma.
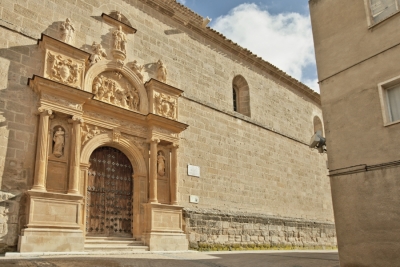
{"points": [[260, 164], [217, 230]]}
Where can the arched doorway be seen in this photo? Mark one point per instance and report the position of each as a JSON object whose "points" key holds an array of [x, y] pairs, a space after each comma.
{"points": [[109, 194]]}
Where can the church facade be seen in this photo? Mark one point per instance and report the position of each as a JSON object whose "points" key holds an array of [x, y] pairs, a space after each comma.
{"points": [[133, 121]]}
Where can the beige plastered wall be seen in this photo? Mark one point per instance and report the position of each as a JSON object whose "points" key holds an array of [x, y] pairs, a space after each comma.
{"points": [[260, 164], [353, 57]]}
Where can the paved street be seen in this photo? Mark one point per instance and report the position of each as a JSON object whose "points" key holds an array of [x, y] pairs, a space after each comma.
{"points": [[196, 259]]}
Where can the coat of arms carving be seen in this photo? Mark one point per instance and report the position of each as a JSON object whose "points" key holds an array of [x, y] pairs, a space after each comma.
{"points": [[63, 69], [165, 105]]}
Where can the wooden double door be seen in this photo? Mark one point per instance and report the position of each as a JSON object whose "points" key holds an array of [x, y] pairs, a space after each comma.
{"points": [[109, 194]]}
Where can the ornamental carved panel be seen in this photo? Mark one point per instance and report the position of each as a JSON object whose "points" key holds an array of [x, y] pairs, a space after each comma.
{"points": [[112, 87], [63, 69], [165, 105]]}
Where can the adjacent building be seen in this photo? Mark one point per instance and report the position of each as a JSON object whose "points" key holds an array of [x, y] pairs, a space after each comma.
{"points": [[357, 50], [133, 125]]}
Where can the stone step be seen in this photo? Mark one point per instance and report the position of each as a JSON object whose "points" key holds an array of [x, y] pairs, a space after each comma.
{"points": [[114, 244]]}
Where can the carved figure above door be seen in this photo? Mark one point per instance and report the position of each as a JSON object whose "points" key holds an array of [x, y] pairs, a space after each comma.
{"points": [[112, 87]]}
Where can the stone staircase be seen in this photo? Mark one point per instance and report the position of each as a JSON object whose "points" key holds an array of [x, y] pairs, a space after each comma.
{"points": [[114, 244]]}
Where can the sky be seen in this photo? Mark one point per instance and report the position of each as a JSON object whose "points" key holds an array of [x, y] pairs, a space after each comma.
{"points": [[279, 31]]}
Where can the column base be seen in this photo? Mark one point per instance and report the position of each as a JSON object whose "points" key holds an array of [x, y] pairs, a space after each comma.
{"points": [[51, 240], [164, 228], [166, 242]]}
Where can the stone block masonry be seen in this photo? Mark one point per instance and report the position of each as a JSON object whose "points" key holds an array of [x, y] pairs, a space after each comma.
{"points": [[216, 230]]}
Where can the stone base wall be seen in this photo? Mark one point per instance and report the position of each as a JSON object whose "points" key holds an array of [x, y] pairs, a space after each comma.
{"points": [[216, 230]]}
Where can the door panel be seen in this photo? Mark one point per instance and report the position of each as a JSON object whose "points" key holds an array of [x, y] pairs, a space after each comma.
{"points": [[109, 194]]}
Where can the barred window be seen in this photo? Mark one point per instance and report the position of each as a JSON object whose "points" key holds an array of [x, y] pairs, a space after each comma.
{"points": [[381, 9]]}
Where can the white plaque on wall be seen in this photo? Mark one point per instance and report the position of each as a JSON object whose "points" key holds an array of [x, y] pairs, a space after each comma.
{"points": [[194, 170], [194, 199]]}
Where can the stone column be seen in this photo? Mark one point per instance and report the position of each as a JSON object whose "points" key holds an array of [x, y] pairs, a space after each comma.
{"points": [[42, 150], [153, 170], [74, 173], [174, 174]]}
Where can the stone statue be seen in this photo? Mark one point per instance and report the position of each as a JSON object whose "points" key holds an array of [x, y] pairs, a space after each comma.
{"points": [[58, 142], [119, 39], [98, 53], [161, 71], [119, 16], [160, 164], [67, 31], [137, 69]]}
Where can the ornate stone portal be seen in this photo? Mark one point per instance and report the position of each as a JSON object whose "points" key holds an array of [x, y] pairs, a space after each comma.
{"points": [[81, 110]]}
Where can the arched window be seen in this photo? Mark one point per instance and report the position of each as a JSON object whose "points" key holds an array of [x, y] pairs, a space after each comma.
{"points": [[318, 125], [241, 95]]}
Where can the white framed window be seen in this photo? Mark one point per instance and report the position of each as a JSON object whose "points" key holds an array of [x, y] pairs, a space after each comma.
{"points": [[389, 94], [382, 9]]}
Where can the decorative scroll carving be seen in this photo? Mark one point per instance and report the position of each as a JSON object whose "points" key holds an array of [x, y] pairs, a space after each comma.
{"points": [[88, 132], [114, 88], [63, 69], [116, 135], [62, 102], [59, 140], [67, 31], [161, 71], [165, 105], [137, 69], [160, 163], [98, 53]]}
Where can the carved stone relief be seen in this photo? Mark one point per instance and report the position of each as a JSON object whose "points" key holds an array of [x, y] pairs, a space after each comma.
{"points": [[90, 131], [140, 143], [98, 53], [67, 31], [165, 105], [63, 69], [161, 71], [114, 88], [116, 135], [59, 142]]}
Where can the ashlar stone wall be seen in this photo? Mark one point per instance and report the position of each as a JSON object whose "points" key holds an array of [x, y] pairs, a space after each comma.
{"points": [[259, 164]]}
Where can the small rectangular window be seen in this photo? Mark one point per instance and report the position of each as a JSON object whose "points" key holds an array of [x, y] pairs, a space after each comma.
{"points": [[389, 94], [393, 100], [381, 9]]}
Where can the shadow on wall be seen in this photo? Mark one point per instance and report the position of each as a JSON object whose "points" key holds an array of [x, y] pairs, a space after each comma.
{"points": [[17, 135]]}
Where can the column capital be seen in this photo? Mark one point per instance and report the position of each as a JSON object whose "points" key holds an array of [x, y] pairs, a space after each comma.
{"points": [[153, 140], [173, 146], [44, 111], [76, 119]]}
